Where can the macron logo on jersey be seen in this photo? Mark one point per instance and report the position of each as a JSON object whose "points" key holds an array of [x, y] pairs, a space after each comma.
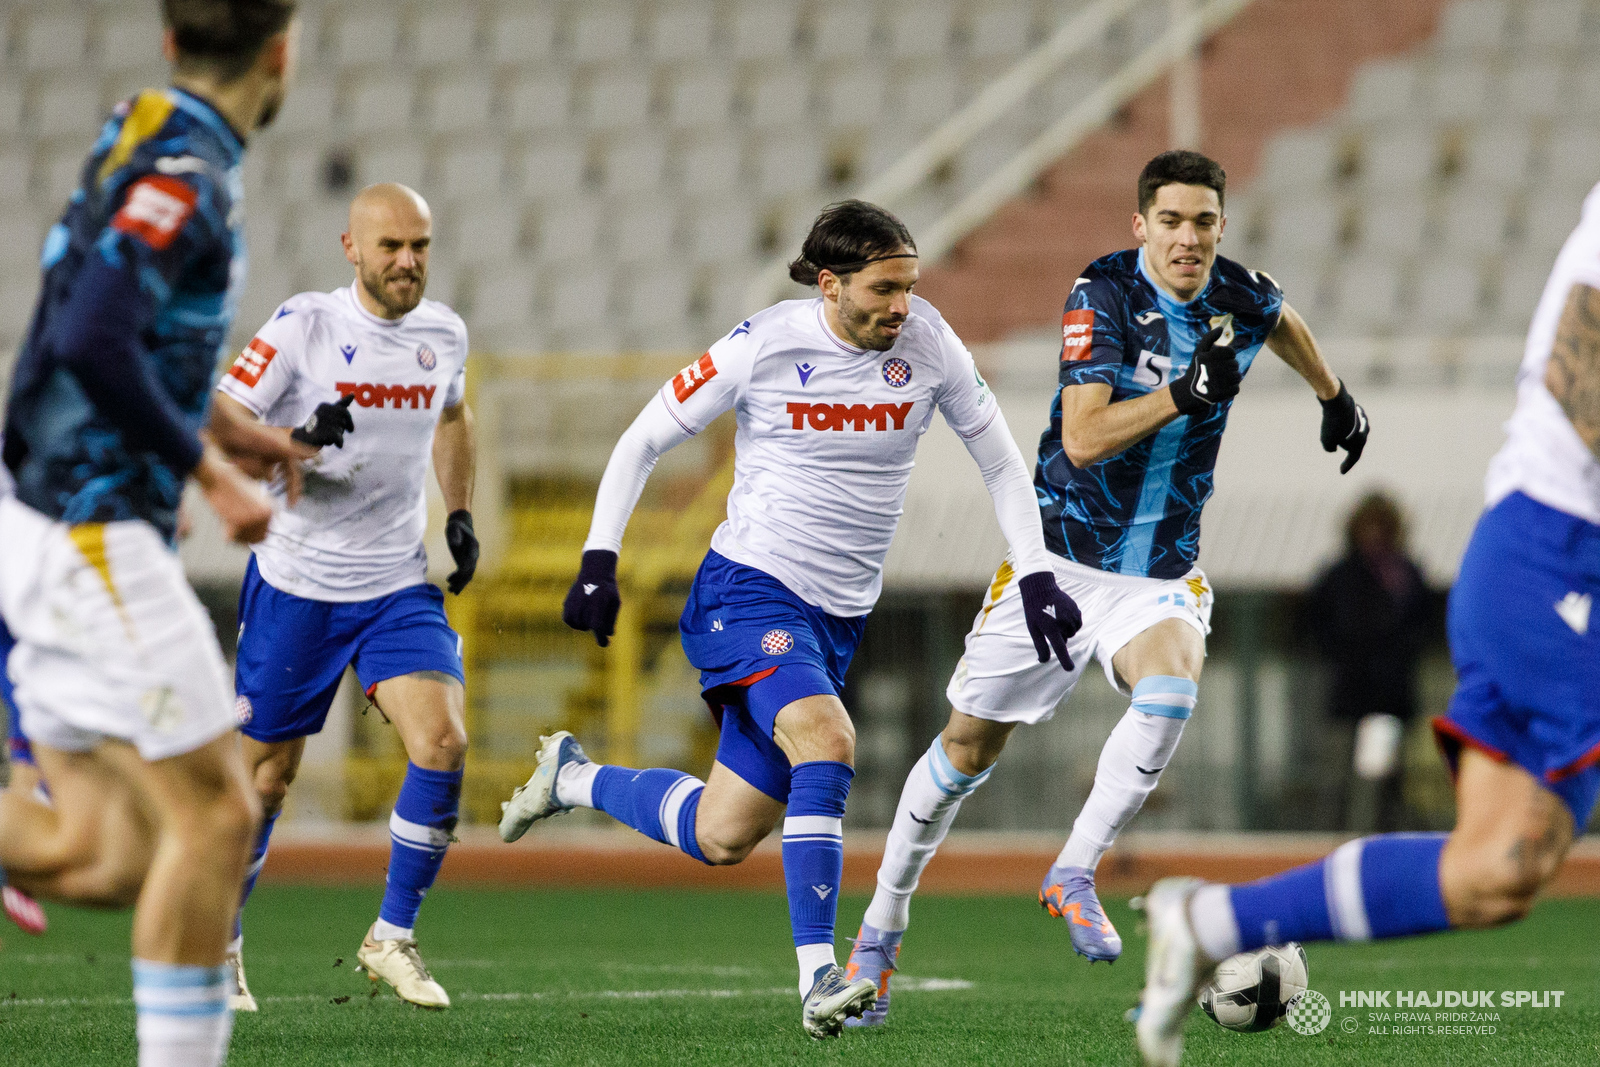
{"points": [[857, 416], [252, 362], [156, 209], [376, 396], [692, 377], [1077, 335]]}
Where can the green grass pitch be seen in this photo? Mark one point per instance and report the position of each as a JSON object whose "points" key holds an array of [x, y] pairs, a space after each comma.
{"points": [[625, 977]]}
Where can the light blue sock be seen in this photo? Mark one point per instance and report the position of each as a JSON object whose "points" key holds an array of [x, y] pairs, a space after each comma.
{"points": [[424, 819], [660, 803], [1371, 889], [183, 1014]]}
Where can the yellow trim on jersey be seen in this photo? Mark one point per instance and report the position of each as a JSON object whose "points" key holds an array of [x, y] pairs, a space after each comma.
{"points": [[1002, 578], [89, 538], [1197, 586], [149, 113]]}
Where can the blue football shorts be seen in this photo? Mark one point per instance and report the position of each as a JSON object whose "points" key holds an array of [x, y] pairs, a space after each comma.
{"points": [[759, 647], [293, 651], [1527, 658]]}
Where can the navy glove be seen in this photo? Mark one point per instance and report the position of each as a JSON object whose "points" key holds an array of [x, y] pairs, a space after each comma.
{"points": [[1052, 616], [1212, 377], [327, 425], [593, 601], [463, 544], [1344, 425]]}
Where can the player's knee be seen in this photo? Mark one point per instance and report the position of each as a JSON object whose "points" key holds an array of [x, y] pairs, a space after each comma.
{"points": [[1493, 883], [725, 853], [447, 749]]}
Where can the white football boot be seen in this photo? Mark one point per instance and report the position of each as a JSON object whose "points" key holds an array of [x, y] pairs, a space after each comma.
{"points": [[400, 964], [536, 799], [240, 999], [833, 999], [1175, 969]]}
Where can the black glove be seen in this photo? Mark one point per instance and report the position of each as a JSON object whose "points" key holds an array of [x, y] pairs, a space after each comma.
{"points": [[463, 547], [1052, 616], [1212, 377], [327, 425], [1344, 425], [593, 601]]}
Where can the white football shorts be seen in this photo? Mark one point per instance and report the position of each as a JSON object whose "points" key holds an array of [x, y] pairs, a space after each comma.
{"points": [[111, 641], [1000, 676]]}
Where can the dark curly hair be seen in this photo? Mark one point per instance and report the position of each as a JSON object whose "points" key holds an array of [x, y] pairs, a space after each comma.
{"points": [[1180, 167], [846, 237]]}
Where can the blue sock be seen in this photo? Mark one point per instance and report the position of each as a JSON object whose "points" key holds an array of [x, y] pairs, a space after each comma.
{"points": [[419, 832], [1375, 888], [813, 849], [183, 1014], [661, 803], [258, 859]]}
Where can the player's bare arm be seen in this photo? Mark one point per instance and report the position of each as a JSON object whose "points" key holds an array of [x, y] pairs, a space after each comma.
{"points": [[261, 451], [1292, 342], [1093, 428], [1573, 373], [455, 462]]}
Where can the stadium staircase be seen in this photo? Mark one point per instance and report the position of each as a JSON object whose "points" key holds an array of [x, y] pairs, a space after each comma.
{"points": [[1281, 64]]}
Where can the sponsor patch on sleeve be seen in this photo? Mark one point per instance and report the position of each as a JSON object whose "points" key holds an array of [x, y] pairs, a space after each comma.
{"points": [[252, 362], [1077, 335], [692, 377], [156, 209]]}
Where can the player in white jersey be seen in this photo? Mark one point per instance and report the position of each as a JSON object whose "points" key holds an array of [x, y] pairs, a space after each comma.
{"points": [[372, 380], [1522, 735], [830, 396]]}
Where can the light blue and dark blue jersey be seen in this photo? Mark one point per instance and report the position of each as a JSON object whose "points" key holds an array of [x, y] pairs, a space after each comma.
{"points": [[140, 283], [1138, 512]]}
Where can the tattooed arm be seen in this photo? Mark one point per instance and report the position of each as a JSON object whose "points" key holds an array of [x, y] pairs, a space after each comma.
{"points": [[1573, 373]]}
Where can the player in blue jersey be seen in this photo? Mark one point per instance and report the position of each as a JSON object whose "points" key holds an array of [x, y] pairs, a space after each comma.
{"points": [[1155, 343], [117, 670], [1522, 733], [23, 780]]}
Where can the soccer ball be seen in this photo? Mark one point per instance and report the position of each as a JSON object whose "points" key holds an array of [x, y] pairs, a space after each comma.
{"points": [[1253, 990]]}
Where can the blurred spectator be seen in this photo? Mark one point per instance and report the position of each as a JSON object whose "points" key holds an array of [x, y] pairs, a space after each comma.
{"points": [[1368, 616]]}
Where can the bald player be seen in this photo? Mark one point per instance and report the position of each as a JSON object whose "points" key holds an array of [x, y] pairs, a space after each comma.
{"points": [[361, 386]]}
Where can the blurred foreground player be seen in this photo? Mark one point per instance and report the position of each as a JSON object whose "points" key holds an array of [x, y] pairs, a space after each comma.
{"points": [[117, 668], [1522, 734], [341, 578], [23, 778], [831, 395], [1156, 341]]}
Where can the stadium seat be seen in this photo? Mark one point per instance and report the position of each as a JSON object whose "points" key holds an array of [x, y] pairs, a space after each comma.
{"points": [[468, 169], [1459, 92], [1447, 297], [1384, 91], [523, 34], [56, 175], [307, 109], [617, 97], [1550, 217], [379, 103], [1554, 24], [485, 234], [845, 30], [538, 102], [1367, 297], [53, 39], [294, 171], [125, 83], [852, 94], [10, 108], [634, 163], [67, 107], [722, 232], [1474, 25], [642, 229], [1392, 225], [1473, 221], [778, 95], [555, 166], [459, 102], [315, 230], [1498, 156], [369, 34], [1300, 228], [1299, 160], [568, 229], [656, 294], [998, 29], [445, 34], [764, 29], [1401, 159], [681, 29], [707, 164], [22, 234], [270, 285], [129, 38], [601, 31], [501, 298], [576, 298], [1583, 100], [392, 160], [921, 28], [700, 94], [1522, 282], [1302, 282], [786, 162], [1534, 88], [1573, 156], [925, 93], [16, 164]]}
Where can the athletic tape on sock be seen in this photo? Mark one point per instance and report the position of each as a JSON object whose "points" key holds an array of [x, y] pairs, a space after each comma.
{"points": [[945, 775], [1165, 695]]}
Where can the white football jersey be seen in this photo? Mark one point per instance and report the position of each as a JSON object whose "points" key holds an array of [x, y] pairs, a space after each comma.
{"points": [[1543, 455], [357, 531], [826, 439]]}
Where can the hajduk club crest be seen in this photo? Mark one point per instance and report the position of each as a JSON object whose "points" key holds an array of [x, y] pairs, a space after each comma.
{"points": [[897, 372], [425, 358], [776, 642]]}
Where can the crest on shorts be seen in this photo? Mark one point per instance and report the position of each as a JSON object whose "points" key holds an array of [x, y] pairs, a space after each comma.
{"points": [[897, 372], [425, 358], [777, 642], [242, 710]]}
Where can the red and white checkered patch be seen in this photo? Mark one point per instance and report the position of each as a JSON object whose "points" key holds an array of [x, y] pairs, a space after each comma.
{"points": [[897, 372], [242, 710], [777, 642]]}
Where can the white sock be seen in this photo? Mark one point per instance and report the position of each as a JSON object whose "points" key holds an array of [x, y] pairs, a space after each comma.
{"points": [[1140, 744], [575, 785], [932, 795], [811, 957], [184, 1019], [1215, 925], [236, 946], [387, 931]]}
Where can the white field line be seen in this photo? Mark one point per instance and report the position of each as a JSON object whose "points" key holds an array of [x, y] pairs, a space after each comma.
{"points": [[901, 985]]}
